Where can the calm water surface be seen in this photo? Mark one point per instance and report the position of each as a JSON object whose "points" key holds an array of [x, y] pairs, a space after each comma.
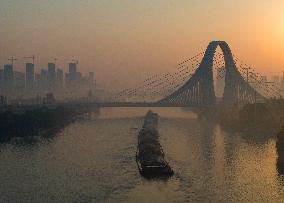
{"points": [[94, 161]]}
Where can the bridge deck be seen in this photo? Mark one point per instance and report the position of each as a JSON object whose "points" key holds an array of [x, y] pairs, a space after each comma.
{"points": [[139, 104]]}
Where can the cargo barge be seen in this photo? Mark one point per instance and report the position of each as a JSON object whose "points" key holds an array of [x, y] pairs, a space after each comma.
{"points": [[150, 157]]}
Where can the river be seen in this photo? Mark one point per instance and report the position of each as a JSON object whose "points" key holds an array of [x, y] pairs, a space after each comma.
{"points": [[93, 160]]}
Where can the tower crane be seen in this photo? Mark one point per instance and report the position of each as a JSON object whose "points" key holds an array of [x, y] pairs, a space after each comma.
{"points": [[31, 57], [55, 59], [12, 59], [75, 61]]}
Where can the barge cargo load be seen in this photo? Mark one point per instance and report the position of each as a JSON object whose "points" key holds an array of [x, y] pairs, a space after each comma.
{"points": [[150, 156]]}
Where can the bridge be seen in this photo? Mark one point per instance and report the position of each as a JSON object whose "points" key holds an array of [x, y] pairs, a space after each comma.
{"points": [[197, 88]]}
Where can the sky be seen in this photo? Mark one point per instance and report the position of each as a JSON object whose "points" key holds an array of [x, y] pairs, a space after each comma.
{"points": [[124, 41]]}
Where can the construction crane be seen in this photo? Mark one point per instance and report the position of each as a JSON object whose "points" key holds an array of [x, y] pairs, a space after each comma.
{"points": [[12, 59], [31, 57], [55, 59], [75, 61]]}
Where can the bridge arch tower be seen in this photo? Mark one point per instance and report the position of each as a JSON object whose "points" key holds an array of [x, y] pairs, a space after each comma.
{"points": [[199, 89]]}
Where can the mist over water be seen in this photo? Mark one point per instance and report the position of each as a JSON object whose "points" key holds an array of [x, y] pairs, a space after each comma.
{"points": [[94, 161]]}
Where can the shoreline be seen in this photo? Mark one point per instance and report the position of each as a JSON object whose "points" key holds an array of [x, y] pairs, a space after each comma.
{"points": [[38, 122]]}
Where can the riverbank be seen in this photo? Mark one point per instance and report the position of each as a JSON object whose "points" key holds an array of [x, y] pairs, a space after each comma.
{"points": [[40, 121], [259, 119]]}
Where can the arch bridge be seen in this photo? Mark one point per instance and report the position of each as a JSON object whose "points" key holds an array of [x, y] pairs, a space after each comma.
{"points": [[198, 90]]}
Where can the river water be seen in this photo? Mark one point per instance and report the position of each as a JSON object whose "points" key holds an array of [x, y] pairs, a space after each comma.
{"points": [[94, 161]]}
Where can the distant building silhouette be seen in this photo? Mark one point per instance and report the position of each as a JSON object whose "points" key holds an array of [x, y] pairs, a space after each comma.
{"points": [[51, 75], [19, 80], [30, 75], [59, 78], [78, 79], [8, 74], [29, 84], [72, 76], [67, 80], [43, 79], [37, 81]]}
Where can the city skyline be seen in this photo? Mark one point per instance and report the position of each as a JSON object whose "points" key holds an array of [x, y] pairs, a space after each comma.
{"points": [[15, 84], [118, 38]]}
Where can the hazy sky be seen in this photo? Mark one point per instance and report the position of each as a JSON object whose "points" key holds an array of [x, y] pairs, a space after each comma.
{"points": [[126, 40]]}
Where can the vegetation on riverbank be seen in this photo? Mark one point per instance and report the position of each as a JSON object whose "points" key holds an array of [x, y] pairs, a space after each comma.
{"points": [[259, 119], [38, 121]]}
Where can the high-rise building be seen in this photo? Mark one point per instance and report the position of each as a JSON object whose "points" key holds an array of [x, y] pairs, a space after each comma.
{"points": [[37, 81], [72, 68], [59, 78], [72, 77], [51, 75], [19, 80], [78, 77], [43, 79], [8, 74], [30, 75], [84, 82]]}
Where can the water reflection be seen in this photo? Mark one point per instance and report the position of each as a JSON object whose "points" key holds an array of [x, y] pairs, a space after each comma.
{"points": [[94, 161]]}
